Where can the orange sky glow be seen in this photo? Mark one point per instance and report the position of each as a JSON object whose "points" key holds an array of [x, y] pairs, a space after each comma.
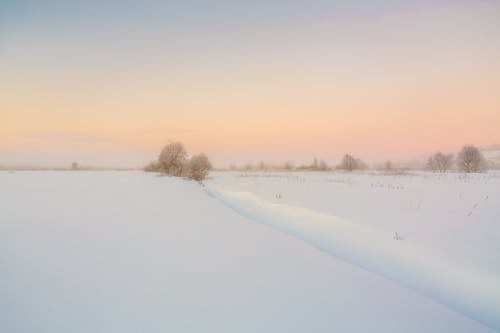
{"points": [[384, 84]]}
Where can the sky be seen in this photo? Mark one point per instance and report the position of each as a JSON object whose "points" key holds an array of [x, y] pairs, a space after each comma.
{"points": [[108, 83]]}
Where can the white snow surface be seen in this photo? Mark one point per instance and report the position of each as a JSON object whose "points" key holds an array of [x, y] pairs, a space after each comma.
{"points": [[473, 293], [453, 215], [135, 252]]}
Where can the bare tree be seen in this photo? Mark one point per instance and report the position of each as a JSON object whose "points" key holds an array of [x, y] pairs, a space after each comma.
{"points": [[350, 163], [172, 159], [360, 164], [445, 161], [288, 165], [470, 159], [198, 167], [315, 164], [322, 166], [440, 162], [432, 164]]}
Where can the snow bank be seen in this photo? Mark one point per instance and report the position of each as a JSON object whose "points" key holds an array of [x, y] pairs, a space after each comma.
{"points": [[472, 293]]}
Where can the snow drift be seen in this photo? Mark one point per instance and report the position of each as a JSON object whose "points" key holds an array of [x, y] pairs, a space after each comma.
{"points": [[472, 293]]}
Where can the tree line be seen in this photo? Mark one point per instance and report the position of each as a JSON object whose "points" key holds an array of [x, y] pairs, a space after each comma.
{"points": [[468, 159], [173, 160]]}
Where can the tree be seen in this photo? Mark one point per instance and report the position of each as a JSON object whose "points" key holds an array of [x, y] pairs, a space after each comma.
{"points": [[440, 162], [288, 165], [322, 166], [350, 163], [387, 166], [318, 165], [172, 159], [315, 165], [360, 165], [470, 159]]}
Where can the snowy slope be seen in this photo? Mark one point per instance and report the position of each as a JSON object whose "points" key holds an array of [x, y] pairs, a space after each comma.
{"points": [[473, 293], [133, 252]]}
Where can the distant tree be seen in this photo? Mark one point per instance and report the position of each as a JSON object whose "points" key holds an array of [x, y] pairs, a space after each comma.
{"points": [[470, 159], [288, 165], [350, 163], [388, 166], [440, 162], [432, 164], [172, 159], [360, 164], [74, 166], [322, 166], [315, 164], [198, 167]]}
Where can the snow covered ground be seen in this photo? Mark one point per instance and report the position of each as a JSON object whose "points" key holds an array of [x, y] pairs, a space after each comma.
{"points": [[134, 252], [454, 215]]}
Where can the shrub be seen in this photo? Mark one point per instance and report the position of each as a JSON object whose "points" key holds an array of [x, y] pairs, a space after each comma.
{"points": [[173, 161], [198, 167]]}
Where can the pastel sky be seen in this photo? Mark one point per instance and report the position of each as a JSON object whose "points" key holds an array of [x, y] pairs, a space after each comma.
{"points": [[110, 82]]}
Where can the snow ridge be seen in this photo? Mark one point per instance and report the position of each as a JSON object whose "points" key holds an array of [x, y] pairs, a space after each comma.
{"points": [[472, 293]]}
